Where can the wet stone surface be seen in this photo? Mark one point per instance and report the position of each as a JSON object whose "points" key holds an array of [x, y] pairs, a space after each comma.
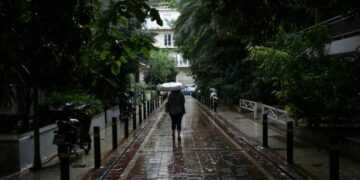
{"points": [[202, 153]]}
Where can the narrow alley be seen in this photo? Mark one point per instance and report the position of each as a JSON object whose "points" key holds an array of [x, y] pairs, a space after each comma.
{"points": [[204, 152]]}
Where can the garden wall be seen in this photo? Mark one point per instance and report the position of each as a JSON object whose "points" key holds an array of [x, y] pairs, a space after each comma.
{"points": [[17, 150]]}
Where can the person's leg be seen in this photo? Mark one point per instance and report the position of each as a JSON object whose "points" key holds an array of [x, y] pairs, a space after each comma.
{"points": [[178, 125], [179, 132], [173, 125]]}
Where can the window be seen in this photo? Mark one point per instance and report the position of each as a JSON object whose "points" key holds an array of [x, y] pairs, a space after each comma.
{"points": [[167, 39]]}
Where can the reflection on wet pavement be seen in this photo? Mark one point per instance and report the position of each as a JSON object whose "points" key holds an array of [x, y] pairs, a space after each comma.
{"points": [[203, 153]]}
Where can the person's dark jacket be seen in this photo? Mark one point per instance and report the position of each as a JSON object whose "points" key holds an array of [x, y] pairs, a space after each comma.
{"points": [[176, 103]]}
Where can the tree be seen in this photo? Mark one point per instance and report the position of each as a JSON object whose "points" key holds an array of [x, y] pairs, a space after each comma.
{"points": [[118, 45], [213, 35], [219, 34], [61, 43], [42, 43], [162, 68], [171, 3], [313, 86], [33, 49]]}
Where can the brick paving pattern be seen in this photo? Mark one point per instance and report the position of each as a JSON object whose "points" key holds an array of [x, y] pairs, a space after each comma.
{"points": [[203, 153]]}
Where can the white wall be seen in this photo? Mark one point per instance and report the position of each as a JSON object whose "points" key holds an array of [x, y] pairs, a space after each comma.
{"points": [[166, 15], [184, 76], [17, 150], [347, 45], [183, 66], [159, 38]]}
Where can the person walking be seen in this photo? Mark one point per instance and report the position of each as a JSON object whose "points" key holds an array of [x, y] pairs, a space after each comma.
{"points": [[175, 106]]}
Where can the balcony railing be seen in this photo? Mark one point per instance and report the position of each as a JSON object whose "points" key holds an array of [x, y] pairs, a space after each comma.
{"points": [[182, 63], [341, 27], [344, 27]]}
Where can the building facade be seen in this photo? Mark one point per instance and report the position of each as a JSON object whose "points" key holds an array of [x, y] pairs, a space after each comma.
{"points": [[345, 32], [164, 39]]}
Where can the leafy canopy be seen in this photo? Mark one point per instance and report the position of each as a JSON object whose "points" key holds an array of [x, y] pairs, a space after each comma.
{"points": [[304, 78], [244, 54], [162, 68], [81, 44]]}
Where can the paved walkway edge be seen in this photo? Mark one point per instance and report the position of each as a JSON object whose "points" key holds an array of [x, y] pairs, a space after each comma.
{"points": [[111, 160], [292, 171]]}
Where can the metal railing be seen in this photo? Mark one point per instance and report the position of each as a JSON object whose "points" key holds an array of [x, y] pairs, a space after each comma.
{"points": [[344, 27], [249, 105], [276, 114]]}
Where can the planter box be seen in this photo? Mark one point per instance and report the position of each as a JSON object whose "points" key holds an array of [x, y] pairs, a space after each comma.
{"points": [[17, 150]]}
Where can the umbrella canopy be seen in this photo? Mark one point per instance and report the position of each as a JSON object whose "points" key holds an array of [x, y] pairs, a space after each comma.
{"points": [[171, 86]]}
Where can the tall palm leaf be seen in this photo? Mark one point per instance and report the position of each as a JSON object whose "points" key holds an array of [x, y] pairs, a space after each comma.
{"points": [[197, 20]]}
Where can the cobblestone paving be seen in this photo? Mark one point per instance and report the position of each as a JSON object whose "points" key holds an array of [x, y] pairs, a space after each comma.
{"points": [[122, 162], [203, 153], [200, 155]]}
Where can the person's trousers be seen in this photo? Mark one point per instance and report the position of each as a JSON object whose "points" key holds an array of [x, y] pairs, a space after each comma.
{"points": [[176, 121]]}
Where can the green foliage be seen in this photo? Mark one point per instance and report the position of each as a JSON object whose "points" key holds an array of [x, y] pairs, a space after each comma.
{"points": [[139, 89], [312, 85], [103, 36], [56, 45], [162, 68], [39, 48], [214, 35], [268, 73], [170, 3], [76, 98], [33, 48], [323, 89], [117, 46], [117, 39], [293, 70]]}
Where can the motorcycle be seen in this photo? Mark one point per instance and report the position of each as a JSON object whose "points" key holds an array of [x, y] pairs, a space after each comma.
{"points": [[73, 127]]}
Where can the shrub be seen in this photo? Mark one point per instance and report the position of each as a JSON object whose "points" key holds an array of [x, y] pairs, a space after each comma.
{"points": [[76, 98]]}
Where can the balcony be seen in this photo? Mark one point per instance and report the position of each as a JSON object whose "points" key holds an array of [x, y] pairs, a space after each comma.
{"points": [[344, 46], [182, 63], [345, 33]]}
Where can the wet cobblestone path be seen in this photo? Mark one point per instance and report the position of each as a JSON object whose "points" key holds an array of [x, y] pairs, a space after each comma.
{"points": [[203, 153]]}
